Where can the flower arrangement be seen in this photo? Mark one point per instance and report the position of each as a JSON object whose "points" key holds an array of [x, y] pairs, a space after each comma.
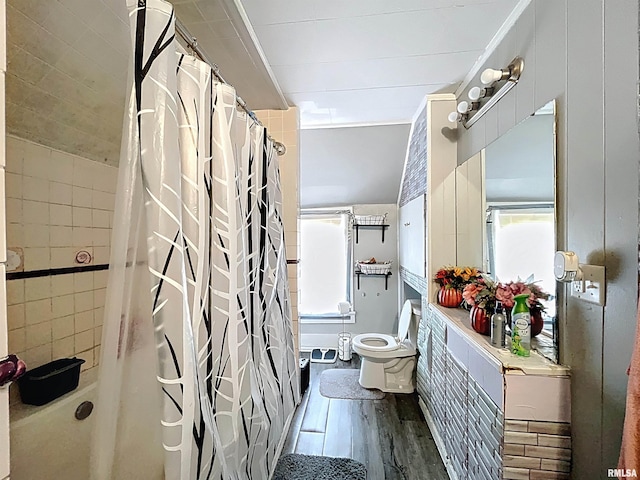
{"points": [[481, 293], [484, 292], [505, 293], [456, 277]]}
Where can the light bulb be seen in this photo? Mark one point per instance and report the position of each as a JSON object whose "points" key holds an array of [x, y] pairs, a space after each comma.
{"points": [[463, 107], [453, 117], [474, 93], [490, 75]]}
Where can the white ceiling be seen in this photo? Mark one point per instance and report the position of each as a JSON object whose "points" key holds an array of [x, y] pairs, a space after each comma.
{"points": [[371, 61], [225, 35]]}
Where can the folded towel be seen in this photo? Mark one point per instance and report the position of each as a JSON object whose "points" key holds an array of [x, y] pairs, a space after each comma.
{"points": [[630, 450]]}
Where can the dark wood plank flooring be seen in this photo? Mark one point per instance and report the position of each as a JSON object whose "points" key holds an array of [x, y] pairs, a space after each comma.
{"points": [[389, 436]]}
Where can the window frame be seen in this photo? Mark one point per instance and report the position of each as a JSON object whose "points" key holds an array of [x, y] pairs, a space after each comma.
{"points": [[333, 317], [490, 240]]}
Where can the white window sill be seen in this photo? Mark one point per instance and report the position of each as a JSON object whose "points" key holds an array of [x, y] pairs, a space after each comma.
{"points": [[328, 318]]}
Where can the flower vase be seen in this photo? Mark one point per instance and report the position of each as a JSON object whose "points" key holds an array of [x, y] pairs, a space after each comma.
{"points": [[537, 321], [449, 297], [480, 320]]}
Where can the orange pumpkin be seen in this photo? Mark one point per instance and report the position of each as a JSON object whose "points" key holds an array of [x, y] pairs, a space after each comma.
{"points": [[480, 321], [537, 321], [449, 297]]}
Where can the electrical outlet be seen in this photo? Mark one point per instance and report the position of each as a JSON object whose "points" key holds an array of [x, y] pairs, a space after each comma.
{"points": [[591, 287]]}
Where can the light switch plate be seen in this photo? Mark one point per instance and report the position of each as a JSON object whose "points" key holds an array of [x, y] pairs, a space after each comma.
{"points": [[592, 286]]}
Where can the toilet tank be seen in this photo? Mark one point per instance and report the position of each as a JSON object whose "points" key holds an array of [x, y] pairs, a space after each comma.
{"points": [[416, 309]]}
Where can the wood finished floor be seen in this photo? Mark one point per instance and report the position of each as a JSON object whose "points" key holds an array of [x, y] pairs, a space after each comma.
{"points": [[389, 436]]}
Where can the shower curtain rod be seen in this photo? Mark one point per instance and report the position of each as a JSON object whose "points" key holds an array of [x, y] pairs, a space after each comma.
{"points": [[192, 44]]}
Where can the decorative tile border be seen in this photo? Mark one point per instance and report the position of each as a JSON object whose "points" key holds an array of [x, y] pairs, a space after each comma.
{"points": [[416, 282], [414, 182], [536, 450]]}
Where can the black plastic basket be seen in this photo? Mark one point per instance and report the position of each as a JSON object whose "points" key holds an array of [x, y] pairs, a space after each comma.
{"points": [[50, 381]]}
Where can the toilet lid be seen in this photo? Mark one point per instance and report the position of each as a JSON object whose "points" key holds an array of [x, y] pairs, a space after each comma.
{"points": [[405, 320]]}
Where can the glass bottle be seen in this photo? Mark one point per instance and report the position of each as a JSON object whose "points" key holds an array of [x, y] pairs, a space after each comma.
{"points": [[498, 324]]}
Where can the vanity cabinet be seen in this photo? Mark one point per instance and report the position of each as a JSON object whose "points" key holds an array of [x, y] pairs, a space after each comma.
{"points": [[427, 208], [492, 415]]}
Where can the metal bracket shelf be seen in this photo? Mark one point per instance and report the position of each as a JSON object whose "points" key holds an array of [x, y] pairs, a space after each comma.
{"points": [[385, 275], [358, 227]]}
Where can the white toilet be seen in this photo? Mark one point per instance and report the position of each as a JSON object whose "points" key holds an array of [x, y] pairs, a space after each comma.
{"points": [[388, 362]]}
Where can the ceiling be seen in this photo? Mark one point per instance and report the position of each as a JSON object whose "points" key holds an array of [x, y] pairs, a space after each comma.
{"points": [[371, 61], [343, 63]]}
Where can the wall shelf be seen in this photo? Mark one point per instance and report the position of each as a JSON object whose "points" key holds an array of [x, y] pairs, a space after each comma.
{"points": [[357, 228], [385, 275]]}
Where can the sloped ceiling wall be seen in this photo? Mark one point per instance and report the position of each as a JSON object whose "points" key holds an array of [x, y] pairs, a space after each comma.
{"points": [[66, 74], [351, 165], [68, 63]]}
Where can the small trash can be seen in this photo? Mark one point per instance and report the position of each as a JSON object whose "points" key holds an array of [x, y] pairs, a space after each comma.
{"points": [[344, 346], [304, 375]]}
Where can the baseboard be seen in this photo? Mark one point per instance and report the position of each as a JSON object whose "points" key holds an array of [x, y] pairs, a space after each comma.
{"points": [[438, 440]]}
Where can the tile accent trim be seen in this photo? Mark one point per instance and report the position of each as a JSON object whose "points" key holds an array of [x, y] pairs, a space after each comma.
{"points": [[414, 182], [418, 283], [537, 450], [56, 271]]}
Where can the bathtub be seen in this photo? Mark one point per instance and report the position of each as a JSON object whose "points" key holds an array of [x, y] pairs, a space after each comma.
{"points": [[48, 442]]}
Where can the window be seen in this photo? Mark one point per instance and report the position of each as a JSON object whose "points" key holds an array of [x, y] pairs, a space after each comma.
{"points": [[325, 264], [522, 242]]}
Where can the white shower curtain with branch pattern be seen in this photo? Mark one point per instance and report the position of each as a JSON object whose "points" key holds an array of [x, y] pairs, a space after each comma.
{"points": [[199, 208]]}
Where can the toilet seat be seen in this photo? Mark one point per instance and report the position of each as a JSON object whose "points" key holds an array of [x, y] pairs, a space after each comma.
{"points": [[389, 343]]}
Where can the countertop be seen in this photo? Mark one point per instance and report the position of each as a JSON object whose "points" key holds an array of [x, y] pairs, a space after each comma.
{"points": [[502, 358]]}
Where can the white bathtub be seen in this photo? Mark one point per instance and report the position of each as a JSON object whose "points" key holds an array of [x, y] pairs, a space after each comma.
{"points": [[48, 443]]}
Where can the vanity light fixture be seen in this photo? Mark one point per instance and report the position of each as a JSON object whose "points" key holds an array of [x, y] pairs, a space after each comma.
{"points": [[463, 110], [491, 78], [476, 93]]}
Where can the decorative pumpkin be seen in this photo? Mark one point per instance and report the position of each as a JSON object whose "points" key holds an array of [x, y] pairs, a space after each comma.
{"points": [[449, 297], [480, 321], [537, 321]]}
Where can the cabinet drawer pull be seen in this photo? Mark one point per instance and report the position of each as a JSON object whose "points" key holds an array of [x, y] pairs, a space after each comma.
{"points": [[407, 224]]}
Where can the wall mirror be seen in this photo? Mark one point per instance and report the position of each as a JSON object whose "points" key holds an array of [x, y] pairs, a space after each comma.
{"points": [[506, 221]]}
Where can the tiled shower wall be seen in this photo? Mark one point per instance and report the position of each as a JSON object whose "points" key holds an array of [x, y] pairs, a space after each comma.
{"points": [[283, 126], [57, 205]]}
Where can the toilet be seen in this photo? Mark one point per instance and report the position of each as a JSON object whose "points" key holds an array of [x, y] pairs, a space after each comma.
{"points": [[388, 362]]}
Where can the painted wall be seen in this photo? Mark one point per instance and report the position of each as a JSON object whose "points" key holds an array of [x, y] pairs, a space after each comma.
{"points": [[284, 126], [571, 51], [57, 205], [4, 394], [352, 165], [376, 308]]}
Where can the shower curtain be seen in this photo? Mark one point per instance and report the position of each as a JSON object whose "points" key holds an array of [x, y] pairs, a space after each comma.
{"points": [[198, 295]]}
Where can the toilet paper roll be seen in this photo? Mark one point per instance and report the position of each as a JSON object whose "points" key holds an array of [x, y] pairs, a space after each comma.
{"points": [[344, 307]]}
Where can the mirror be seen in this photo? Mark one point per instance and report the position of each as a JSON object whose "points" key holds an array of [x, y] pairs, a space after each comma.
{"points": [[506, 219]]}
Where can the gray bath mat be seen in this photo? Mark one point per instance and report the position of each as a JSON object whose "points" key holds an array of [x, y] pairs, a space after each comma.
{"points": [[294, 466], [343, 383]]}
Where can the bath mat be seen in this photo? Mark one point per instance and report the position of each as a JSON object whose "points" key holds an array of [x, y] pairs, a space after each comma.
{"points": [[294, 466], [343, 383]]}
